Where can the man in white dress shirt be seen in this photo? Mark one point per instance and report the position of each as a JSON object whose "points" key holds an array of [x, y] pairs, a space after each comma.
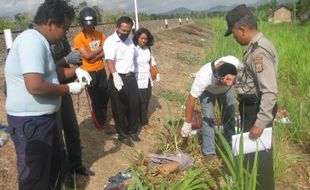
{"points": [[122, 84]]}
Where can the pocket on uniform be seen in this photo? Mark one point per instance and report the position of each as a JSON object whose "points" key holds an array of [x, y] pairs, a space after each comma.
{"points": [[29, 129]]}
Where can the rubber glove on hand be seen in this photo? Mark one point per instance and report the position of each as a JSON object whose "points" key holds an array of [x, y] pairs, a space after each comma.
{"points": [[186, 129], [82, 74], [118, 82], [157, 78], [76, 87], [73, 57]]}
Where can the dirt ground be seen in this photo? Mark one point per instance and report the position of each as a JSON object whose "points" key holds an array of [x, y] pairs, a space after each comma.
{"points": [[179, 52]]}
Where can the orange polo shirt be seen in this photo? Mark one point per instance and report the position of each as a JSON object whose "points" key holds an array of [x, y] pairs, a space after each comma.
{"points": [[91, 42]]}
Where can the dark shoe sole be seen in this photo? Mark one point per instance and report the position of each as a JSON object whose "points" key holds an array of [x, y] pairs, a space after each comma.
{"points": [[135, 138], [127, 142]]}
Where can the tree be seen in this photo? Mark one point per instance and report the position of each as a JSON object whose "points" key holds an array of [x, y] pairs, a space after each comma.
{"points": [[303, 10], [98, 11], [23, 20]]}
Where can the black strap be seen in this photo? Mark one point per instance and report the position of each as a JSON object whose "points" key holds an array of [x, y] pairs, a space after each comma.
{"points": [[214, 71], [150, 62]]}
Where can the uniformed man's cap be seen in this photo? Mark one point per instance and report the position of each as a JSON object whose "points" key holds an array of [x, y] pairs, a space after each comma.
{"points": [[235, 15]]}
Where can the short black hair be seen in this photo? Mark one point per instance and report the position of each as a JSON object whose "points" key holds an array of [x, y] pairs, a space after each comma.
{"points": [[226, 68], [57, 10], [124, 19], [138, 33]]}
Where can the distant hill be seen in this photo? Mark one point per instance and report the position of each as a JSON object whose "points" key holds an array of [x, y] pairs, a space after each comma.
{"points": [[220, 8], [225, 8], [180, 10]]}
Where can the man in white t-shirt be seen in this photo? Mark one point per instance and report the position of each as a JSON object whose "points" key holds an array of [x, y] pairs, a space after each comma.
{"points": [[122, 84], [213, 82]]}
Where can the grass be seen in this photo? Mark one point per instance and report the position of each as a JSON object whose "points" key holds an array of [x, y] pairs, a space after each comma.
{"points": [[187, 57], [172, 96]]}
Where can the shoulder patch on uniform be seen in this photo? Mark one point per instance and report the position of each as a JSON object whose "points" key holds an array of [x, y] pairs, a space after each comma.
{"points": [[258, 62], [254, 46]]}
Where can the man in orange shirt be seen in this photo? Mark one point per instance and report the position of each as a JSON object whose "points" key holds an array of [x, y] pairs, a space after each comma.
{"points": [[89, 42]]}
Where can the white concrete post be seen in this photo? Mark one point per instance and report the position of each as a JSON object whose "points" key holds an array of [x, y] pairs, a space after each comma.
{"points": [[166, 23], [8, 38], [136, 13]]}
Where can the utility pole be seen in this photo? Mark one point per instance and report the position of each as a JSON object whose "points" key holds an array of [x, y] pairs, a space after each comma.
{"points": [[294, 11], [136, 13]]}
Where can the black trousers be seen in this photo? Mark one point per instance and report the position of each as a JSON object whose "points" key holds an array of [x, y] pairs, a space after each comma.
{"points": [[37, 150], [144, 100], [98, 92], [125, 106], [265, 177], [72, 158]]}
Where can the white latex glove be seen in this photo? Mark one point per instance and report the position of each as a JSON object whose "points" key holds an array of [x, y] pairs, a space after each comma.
{"points": [[157, 78], [118, 82], [73, 57], [186, 129], [82, 74], [76, 87]]}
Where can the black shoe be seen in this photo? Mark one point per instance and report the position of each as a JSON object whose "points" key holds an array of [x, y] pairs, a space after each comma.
{"points": [[127, 141], [210, 159], [68, 180], [83, 171], [108, 130], [135, 137]]}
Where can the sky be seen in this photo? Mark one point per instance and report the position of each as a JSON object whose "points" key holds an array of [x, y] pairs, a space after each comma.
{"points": [[12, 7]]}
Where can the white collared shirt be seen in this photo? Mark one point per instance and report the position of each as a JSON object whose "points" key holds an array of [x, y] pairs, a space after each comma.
{"points": [[142, 61], [121, 53]]}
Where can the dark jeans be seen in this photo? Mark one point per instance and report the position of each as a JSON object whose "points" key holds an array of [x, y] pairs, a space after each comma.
{"points": [[125, 106], [72, 158], [37, 149], [227, 106], [265, 178], [98, 92], [144, 97]]}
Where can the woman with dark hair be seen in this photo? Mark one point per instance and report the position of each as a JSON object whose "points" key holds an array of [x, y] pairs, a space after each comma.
{"points": [[143, 40]]}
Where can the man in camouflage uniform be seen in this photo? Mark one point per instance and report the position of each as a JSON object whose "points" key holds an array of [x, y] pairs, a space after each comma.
{"points": [[256, 86]]}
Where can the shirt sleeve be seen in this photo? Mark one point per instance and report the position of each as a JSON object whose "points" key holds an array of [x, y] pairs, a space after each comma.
{"points": [[265, 71], [202, 81], [77, 41], [33, 61], [153, 62], [109, 49], [103, 38]]}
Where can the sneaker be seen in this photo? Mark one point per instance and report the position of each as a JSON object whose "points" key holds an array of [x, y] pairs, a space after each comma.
{"points": [[210, 158], [127, 141], [81, 170], [108, 129], [135, 137]]}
